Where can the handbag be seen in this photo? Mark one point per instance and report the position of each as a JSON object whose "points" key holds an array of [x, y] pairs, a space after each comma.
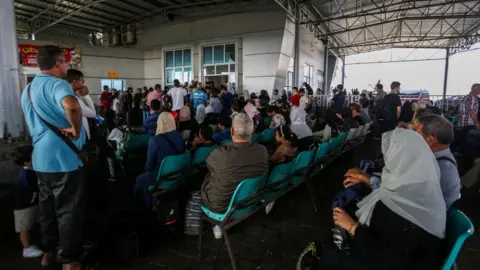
{"points": [[82, 155]]}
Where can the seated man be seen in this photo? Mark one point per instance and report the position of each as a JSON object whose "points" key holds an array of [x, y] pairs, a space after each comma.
{"points": [[356, 109], [150, 124], [416, 115], [438, 134], [230, 164], [224, 124], [204, 138]]}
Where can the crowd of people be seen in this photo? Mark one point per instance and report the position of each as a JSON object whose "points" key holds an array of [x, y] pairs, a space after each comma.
{"points": [[394, 220]]}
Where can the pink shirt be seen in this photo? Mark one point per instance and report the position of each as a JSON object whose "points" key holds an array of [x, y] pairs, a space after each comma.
{"points": [[153, 95]]}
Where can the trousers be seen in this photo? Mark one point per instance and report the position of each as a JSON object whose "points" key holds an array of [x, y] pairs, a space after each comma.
{"points": [[62, 202]]}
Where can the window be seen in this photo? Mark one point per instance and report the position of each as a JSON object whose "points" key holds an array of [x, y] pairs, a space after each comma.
{"points": [[219, 60], [307, 74], [178, 65], [320, 78], [289, 81], [117, 84]]}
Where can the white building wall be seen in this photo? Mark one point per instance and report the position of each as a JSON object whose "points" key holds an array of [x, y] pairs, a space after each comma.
{"points": [[98, 61]]}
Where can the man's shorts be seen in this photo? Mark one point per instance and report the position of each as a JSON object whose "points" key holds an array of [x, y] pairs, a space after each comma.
{"points": [[25, 218]]}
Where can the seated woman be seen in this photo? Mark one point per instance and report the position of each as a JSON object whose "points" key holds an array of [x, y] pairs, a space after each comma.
{"points": [[299, 126], [166, 142], [277, 119], [400, 225], [150, 124], [254, 114], [224, 125], [287, 150], [211, 118]]}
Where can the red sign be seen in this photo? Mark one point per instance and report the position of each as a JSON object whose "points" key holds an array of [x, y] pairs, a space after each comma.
{"points": [[28, 56]]}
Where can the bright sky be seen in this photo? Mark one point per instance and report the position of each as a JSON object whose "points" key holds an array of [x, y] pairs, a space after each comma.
{"points": [[464, 70]]}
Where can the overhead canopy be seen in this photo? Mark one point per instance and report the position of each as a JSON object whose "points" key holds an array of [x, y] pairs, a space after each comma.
{"points": [[357, 26]]}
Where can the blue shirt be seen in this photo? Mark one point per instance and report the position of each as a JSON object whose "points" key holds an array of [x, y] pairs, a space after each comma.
{"points": [[51, 153], [222, 135], [198, 97], [150, 124], [227, 101]]}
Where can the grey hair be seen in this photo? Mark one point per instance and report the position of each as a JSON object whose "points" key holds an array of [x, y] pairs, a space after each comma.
{"points": [[242, 126], [438, 127]]}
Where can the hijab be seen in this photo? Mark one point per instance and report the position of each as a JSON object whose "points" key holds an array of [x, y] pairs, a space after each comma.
{"points": [[184, 113], [410, 183], [200, 116], [165, 123], [250, 110]]}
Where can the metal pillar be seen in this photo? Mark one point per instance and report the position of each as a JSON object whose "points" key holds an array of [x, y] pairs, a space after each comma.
{"points": [[343, 71], [11, 116], [296, 54], [326, 89], [445, 79]]}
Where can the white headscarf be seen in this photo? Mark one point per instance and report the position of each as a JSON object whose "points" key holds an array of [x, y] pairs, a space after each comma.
{"points": [[250, 110], [200, 115], [410, 183], [165, 123], [298, 116], [209, 109]]}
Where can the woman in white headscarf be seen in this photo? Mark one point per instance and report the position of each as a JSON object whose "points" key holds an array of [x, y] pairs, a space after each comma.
{"points": [[201, 113], [299, 126], [166, 142], [401, 223], [257, 119]]}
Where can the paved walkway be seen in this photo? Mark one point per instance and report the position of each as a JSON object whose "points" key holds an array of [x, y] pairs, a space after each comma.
{"points": [[262, 242]]}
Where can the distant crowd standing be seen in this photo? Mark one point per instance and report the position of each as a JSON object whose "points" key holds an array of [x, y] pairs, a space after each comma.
{"points": [[394, 217]]}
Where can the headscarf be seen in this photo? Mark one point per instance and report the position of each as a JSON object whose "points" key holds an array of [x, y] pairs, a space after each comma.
{"points": [[250, 110], [209, 109], [165, 123], [184, 114], [410, 184], [298, 116], [200, 116]]}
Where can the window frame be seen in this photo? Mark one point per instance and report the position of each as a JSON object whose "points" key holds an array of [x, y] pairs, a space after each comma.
{"points": [[175, 67], [231, 65]]}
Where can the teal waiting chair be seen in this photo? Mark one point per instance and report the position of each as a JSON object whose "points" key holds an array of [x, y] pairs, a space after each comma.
{"points": [[459, 228], [227, 141], [351, 134], [302, 161], [245, 201], [268, 135], [278, 179], [266, 121], [360, 131], [257, 138], [138, 142], [322, 151], [172, 171], [200, 156]]}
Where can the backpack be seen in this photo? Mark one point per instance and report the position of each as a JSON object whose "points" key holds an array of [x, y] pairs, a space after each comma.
{"points": [[168, 208], [384, 111]]}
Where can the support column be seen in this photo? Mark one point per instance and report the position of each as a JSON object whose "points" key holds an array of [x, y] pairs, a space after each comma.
{"points": [[445, 79], [11, 116], [343, 71], [296, 55], [326, 89]]}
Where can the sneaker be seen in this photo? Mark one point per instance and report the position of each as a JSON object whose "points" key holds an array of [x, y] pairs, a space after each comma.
{"points": [[217, 232], [32, 252], [269, 207]]}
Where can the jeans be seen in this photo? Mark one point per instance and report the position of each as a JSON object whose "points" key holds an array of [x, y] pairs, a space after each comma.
{"points": [[62, 202]]}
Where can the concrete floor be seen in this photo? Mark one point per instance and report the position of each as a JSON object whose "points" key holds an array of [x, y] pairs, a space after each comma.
{"points": [[264, 241]]}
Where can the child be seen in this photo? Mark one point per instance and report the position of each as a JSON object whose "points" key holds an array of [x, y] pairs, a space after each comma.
{"points": [[26, 200], [277, 119]]}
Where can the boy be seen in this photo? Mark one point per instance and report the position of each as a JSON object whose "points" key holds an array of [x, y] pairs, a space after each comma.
{"points": [[26, 200]]}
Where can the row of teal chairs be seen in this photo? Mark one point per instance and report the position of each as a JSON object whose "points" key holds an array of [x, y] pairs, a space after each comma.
{"points": [[254, 194]]}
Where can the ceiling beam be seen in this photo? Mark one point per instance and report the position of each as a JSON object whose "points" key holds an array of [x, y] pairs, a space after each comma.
{"points": [[48, 24]]}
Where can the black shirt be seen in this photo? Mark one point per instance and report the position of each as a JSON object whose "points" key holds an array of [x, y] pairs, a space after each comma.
{"points": [[360, 120], [390, 102], [339, 100]]}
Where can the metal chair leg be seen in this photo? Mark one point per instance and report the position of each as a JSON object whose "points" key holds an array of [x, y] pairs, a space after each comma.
{"points": [[200, 238], [313, 195], [229, 249]]}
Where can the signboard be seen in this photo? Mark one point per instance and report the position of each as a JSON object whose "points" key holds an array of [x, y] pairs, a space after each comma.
{"points": [[113, 75], [28, 56]]}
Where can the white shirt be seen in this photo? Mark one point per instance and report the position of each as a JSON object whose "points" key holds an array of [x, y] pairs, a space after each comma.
{"points": [[177, 94], [116, 108], [88, 111]]}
